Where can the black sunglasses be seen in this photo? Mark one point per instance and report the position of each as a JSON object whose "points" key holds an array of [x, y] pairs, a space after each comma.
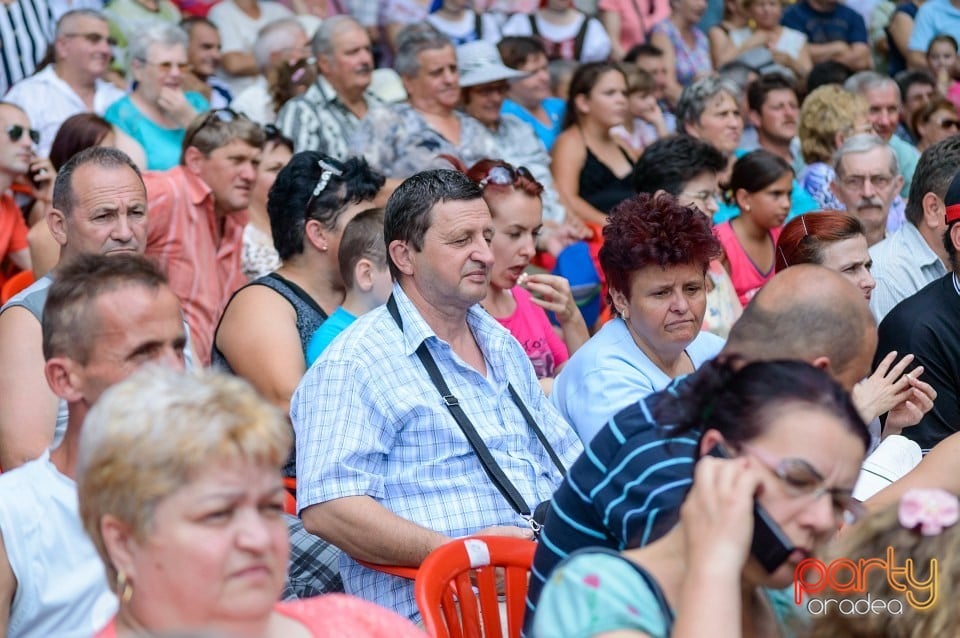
{"points": [[15, 132], [216, 115]]}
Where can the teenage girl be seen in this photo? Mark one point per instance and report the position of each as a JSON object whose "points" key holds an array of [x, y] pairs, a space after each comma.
{"points": [[760, 186]]}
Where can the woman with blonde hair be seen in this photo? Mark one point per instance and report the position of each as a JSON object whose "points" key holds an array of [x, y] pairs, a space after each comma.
{"points": [[920, 526], [189, 520], [829, 115]]}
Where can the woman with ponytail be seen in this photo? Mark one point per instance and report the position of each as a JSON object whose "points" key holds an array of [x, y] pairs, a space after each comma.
{"points": [[793, 443]]}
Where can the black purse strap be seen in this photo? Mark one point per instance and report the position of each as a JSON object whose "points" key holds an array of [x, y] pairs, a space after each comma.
{"points": [[490, 466]]}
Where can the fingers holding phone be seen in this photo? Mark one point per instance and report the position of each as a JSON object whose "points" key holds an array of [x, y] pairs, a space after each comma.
{"points": [[717, 514]]}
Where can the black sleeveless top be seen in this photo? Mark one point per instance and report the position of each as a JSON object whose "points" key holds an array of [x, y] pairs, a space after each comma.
{"points": [[309, 317], [600, 187]]}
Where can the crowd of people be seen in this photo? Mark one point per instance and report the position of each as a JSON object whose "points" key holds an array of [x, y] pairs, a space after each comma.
{"points": [[294, 292]]}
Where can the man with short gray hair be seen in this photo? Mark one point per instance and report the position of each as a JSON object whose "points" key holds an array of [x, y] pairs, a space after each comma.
{"points": [[283, 41], [403, 139], [74, 82], [326, 116], [882, 94], [867, 181]]}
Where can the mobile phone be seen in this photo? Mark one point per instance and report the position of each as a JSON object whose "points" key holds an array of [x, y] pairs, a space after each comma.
{"points": [[770, 546]]}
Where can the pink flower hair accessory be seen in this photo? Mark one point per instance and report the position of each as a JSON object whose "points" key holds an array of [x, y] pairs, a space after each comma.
{"points": [[930, 509]]}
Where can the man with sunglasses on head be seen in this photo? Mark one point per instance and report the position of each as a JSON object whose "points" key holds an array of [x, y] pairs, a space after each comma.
{"points": [[197, 214], [74, 82]]}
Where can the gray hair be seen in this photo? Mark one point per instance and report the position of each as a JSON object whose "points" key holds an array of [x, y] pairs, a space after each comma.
{"points": [[77, 13], [155, 33], [322, 43], [695, 97], [864, 144], [864, 81], [103, 156], [413, 40], [274, 37], [409, 210]]}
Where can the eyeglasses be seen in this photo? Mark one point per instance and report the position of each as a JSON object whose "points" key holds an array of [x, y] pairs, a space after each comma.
{"points": [[167, 67], [15, 132], [948, 123], [92, 38], [216, 115], [857, 182], [327, 171], [505, 175], [486, 90], [803, 481]]}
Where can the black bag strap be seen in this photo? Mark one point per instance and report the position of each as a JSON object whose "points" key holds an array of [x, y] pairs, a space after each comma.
{"points": [[490, 466], [579, 39]]}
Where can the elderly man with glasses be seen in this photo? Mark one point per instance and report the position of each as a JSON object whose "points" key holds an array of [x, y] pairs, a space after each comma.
{"points": [[198, 211], [867, 181], [74, 82]]}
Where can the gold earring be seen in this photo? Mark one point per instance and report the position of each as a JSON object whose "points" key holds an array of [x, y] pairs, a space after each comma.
{"points": [[124, 587]]}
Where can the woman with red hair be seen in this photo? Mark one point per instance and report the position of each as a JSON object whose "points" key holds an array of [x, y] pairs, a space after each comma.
{"points": [[837, 241], [655, 257], [515, 299], [832, 239]]}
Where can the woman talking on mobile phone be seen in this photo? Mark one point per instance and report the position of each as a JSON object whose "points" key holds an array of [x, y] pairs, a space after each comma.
{"points": [[795, 444]]}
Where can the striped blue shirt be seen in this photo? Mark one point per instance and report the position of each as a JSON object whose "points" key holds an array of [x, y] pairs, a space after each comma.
{"points": [[624, 491], [369, 421]]}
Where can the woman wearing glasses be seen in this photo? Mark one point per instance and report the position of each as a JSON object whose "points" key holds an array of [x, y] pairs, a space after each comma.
{"points": [[795, 443], [157, 112], [655, 257], [518, 300], [937, 120]]}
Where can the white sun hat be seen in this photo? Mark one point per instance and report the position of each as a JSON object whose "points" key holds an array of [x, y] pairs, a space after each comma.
{"points": [[479, 62]]}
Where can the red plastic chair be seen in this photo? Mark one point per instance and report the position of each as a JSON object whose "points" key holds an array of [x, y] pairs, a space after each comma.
{"points": [[454, 605], [15, 284], [290, 495]]}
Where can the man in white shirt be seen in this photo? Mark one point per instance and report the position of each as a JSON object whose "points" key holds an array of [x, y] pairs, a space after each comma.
{"points": [[238, 22], [74, 82], [915, 256]]}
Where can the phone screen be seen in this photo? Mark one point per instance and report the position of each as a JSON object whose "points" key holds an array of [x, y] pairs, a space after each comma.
{"points": [[770, 545]]}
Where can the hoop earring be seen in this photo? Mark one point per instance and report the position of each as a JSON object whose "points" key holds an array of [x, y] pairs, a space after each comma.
{"points": [[124, 587]]}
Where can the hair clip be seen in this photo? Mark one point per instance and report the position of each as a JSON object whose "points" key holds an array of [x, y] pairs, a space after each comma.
{"points": [[930, 509], [327, 171], [803, 223]]}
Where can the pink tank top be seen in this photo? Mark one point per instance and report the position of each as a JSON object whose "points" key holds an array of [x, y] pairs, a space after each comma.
{"points": [[746, 276]]}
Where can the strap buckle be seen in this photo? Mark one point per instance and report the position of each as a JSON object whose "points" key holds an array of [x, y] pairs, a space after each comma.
{"points": [[450, 400]]}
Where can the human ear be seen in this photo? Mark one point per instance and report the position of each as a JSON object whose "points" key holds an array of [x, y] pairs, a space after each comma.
{"points": [[363, 275], [57, 223], [402, 256], [63, 379]]}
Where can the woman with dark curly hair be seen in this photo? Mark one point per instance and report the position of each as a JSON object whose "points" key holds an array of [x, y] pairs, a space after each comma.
{"points": [[655, 257], [789, 439]]}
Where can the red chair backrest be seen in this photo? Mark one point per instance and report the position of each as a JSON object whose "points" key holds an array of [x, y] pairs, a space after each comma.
{"points": [[15, 284], [456, 587]]}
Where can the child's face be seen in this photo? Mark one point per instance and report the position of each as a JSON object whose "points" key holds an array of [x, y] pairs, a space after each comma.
{"points": [[941, 56], [642, 103]]}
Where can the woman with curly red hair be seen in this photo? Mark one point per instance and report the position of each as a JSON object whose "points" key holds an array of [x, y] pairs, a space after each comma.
{"points": [[655, 258]]}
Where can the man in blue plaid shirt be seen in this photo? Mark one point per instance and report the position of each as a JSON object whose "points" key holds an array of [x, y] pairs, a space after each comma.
{"points": [[384, 471]]}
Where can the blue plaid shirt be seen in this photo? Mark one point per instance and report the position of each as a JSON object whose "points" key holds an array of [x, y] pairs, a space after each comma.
{"points": [[370, 422]]}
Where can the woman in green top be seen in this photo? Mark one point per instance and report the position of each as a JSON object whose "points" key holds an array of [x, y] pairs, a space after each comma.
{"points": [[795, 443]]}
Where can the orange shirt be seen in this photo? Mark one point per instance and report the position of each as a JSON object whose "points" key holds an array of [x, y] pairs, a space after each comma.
{"points": [[201, 259], [13, 234]]}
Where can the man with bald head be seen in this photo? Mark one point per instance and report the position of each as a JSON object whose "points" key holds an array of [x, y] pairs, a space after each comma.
{"points": [[626, 489]]}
